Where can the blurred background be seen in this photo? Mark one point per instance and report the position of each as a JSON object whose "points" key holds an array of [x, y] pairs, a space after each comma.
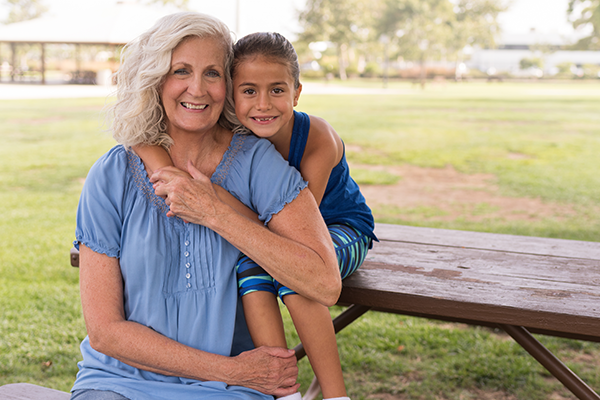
{"points": [[477, 115], [78, 41]]}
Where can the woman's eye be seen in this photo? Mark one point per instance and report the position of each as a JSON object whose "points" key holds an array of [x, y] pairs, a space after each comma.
{"points": [[180, 71], [213, 74]]}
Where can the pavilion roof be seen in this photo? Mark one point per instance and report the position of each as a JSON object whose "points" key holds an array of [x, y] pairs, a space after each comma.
{"points": [[115, 24]]}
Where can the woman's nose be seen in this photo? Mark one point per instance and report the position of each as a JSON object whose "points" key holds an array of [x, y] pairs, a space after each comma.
{"points": [[197, 86]]}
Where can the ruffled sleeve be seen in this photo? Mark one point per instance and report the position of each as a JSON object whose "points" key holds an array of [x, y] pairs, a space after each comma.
{"points": [[100, 210], [255, 173]]}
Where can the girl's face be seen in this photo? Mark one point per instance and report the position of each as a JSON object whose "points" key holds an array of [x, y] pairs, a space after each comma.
{"points": [[265, 97], [193, 93]]}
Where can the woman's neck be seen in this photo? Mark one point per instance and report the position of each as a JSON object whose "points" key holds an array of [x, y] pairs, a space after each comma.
{"points": [[204, 150]]}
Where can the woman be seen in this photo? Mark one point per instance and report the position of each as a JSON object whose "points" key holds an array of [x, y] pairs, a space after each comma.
{"points": [[157, 279]]}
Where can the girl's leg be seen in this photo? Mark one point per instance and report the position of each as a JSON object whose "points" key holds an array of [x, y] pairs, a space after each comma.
{"points": [[261, 307], [313, 320], [263, 318], [315, 329]]}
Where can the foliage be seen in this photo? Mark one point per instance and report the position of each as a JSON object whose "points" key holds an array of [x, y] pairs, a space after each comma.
{"points": [[414, 29], [23, 10], [335, 21], [533, 62], [589, 17]]}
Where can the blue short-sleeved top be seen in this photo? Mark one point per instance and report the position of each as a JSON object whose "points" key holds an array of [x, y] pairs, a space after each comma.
{"points": [[179, 278]]}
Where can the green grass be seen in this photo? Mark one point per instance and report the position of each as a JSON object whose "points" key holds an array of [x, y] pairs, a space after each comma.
{"points": [[49, 145], [538, 140]]}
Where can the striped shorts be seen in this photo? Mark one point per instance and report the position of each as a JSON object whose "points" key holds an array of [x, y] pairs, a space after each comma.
{"points": [[351, 248]]}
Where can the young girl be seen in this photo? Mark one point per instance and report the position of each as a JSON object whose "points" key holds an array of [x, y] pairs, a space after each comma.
{"points": [[266, 89]]}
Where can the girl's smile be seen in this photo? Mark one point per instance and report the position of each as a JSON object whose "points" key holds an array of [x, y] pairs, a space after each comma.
{"points": [[265, 96]]}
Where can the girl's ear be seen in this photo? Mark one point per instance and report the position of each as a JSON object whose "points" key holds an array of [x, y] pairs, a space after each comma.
{"points": [[297, 95]]}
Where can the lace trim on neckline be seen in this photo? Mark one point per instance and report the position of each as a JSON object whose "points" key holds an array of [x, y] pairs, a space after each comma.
{"points": [[140, 177], [223, 168]]}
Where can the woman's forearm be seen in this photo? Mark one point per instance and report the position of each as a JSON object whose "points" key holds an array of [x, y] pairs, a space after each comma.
{"points": [[269, 370], [296, 249], [110, 333]]}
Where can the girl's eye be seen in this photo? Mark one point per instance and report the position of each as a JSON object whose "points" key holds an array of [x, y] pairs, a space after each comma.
{"points": [[277, 90], [249, 91]]}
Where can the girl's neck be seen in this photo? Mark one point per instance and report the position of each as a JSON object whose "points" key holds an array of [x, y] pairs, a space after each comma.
{"points": [[281, 140]]}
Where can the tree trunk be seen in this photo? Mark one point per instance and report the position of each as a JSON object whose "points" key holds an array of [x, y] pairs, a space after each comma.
{"points": [[342, 61], [423, 72]]}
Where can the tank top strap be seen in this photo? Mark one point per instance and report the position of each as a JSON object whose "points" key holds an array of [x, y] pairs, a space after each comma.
{"points": [[299, 138]]}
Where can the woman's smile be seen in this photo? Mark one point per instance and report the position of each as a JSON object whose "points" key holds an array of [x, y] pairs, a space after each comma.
{"points": [[193, 94]]}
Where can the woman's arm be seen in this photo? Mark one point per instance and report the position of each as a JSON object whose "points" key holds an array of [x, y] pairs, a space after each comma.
{"points": [[268, 370], [296, 250], [156, 157]]}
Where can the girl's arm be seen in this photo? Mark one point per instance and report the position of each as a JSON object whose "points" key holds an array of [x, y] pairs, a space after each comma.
{"points": [[296, 249], [156, 157], [323, 152], [153, 157], [268, 370]]}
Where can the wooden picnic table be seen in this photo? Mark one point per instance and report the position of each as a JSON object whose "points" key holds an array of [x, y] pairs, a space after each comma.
{"points": [[520, 284]]}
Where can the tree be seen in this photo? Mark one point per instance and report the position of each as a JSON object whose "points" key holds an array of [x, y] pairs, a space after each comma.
{"points": [[432, 29], [421, 29], [476, 24], [23, 10], [586, 14], [336, 21]]}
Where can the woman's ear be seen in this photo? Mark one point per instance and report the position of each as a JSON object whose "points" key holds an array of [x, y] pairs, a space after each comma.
{"points": [[297, 95]]}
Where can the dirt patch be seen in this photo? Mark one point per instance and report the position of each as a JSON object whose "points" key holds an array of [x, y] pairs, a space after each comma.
{"points": [[449, 195]]}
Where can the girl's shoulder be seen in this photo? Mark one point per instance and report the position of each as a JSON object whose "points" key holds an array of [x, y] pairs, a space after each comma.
{"points": [[322, 137]]}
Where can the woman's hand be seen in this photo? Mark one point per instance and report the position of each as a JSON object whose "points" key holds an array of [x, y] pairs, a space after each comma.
{"points": [[270, 370], [190, 197]]}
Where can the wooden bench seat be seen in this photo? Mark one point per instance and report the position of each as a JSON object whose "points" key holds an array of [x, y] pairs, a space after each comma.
{"points": [[28, 391], [519, 284]]}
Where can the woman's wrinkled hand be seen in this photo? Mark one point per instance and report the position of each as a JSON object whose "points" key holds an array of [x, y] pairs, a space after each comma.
{"points": [[190, 197], [270, 370]]}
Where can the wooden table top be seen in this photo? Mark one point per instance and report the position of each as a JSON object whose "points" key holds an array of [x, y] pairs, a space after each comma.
{"points": [[549, 286]]}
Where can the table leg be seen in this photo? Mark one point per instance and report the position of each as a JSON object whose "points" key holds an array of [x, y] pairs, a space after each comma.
{"points": [[550, 362]]}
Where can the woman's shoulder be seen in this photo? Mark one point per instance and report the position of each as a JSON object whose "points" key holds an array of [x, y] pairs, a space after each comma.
{"points": [[111, 168], [113, 159], [246, 146]]}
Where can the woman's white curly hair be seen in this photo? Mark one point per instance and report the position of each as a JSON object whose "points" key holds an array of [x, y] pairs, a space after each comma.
{"points": [[138, 116]]}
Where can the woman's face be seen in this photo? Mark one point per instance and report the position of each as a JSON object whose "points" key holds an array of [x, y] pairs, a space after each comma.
{"points": [[193, 93]]}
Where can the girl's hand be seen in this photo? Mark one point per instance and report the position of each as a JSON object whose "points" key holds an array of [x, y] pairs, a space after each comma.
{"points": [[270, 370]]}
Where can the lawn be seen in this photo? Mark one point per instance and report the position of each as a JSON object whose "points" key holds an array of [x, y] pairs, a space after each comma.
{"points": [[537, 140]]}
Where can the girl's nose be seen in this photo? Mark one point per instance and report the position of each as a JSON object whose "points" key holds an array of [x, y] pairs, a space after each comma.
{"points": [[264, 101]]}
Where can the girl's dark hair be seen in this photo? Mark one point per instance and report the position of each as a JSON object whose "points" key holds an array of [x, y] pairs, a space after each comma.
{"points": [[270, 45]]}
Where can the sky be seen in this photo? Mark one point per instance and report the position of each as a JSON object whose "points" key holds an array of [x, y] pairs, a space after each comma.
{"points": [[545, 16]]}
